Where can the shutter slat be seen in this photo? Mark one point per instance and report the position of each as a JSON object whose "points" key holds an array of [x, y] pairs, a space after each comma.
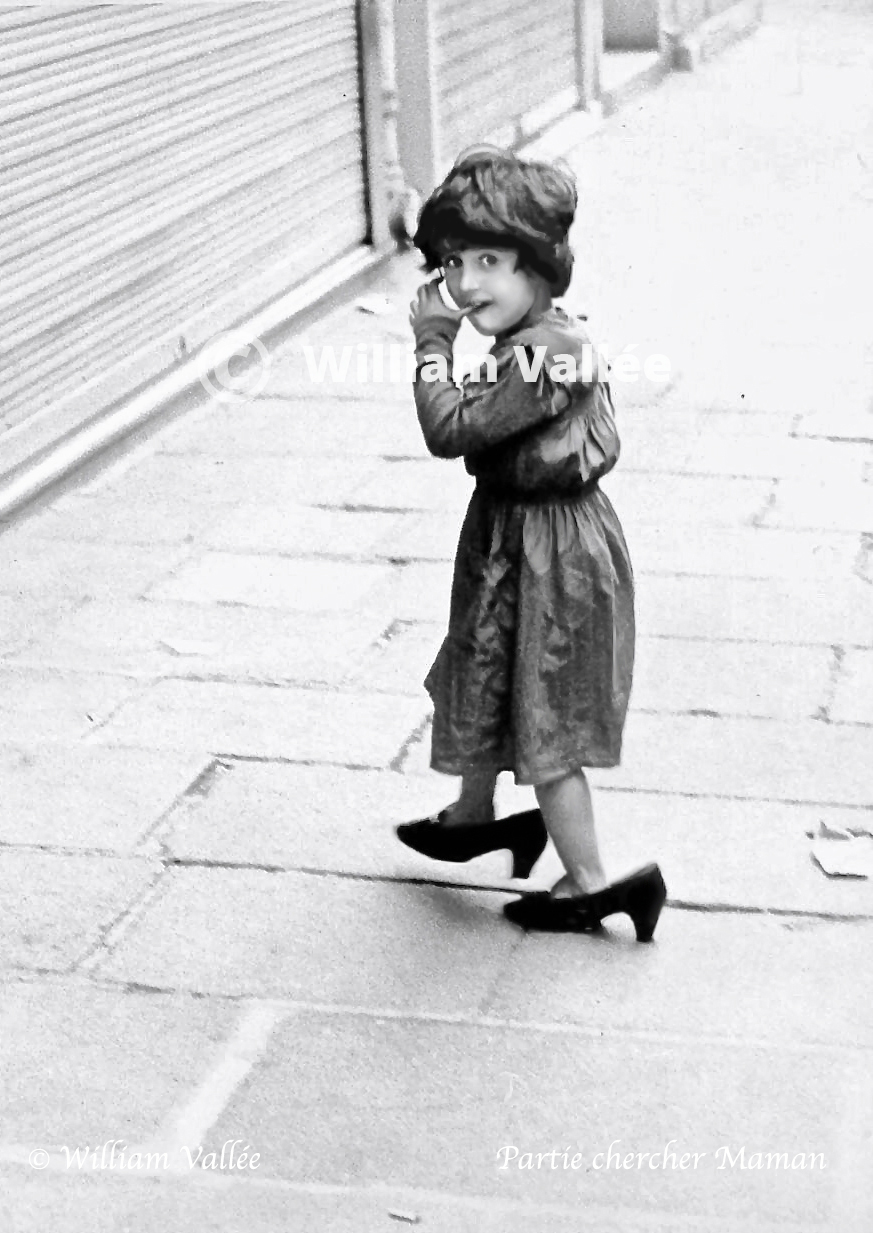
{"points": [[47, 357], [496, 61], [102, 240], [55, 85], [156, 160], [163, 89], [209, 119]]}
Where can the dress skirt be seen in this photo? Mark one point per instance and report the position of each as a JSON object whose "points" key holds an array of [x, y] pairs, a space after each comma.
{"points": [[535, 672]]}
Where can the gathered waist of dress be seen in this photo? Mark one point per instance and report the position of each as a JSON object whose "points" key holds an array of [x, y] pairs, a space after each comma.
{"points": [[505, 494]]}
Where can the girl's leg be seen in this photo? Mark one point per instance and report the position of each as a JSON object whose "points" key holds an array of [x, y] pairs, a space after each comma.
{"points": [[476, 801], [569, 818]]}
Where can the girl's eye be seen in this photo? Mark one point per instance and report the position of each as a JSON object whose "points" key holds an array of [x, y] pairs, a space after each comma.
{"points": [[488, 259], [451, 263]]}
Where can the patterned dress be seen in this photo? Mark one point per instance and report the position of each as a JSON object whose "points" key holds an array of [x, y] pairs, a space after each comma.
{"points": [[535, 671]]}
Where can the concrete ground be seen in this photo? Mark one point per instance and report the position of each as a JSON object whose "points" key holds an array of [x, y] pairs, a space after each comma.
{"points": [[211, 718]]}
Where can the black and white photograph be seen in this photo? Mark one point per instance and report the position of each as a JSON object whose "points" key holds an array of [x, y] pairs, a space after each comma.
{"points": [[436, 616]]}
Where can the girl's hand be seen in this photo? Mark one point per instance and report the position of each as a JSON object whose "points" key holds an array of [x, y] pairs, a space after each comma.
{"points": [[429, 305]]}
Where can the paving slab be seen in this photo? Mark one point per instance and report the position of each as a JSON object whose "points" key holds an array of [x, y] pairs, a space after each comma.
{"points": [[418, 485], [741, 759], [351, 325], [675, 500], [837, 613], [417, 591], [422, 537], [88, 798], [315, 427], [23, 618], [296, 375], [645, 449], [813, 462], [138, 521], [147, 639], [400, 662], [786, 980], [291, 378], [174, 499], [714, 852], [301, 584], [747, 758], [233, 480], [672, 674], [51, 565], [38, 705], [53, 909], [783, 386], [743, 552], [299, 530], [731, 678], [319, 818], [675, 416], [83, 1065], [853, 700], [356, 1100], [303, 725], [732, 853], [705, 845], [837, 424], [843, 507], [810, 462], [109, 1204], [338, 358], [314, 938]]}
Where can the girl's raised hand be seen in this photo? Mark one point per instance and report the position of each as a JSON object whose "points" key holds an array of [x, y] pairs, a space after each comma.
{"points": [[429, 305]]}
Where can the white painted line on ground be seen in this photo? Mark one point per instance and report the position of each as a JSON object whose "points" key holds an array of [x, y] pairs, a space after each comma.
{"points": [[185, 1128], [188, 1126]]}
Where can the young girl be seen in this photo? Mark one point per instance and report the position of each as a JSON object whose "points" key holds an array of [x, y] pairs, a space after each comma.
{"points": [[535, 672]]}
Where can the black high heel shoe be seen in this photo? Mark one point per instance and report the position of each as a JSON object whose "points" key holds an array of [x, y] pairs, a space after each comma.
{"points": [[524, 834], [642, 895]]}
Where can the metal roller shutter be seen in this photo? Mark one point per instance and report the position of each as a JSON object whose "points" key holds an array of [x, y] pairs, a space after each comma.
{"points": [[503, 68], [155, 159]]}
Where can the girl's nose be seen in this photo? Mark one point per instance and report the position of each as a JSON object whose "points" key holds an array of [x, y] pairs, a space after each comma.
{"points": [[468, 280]]}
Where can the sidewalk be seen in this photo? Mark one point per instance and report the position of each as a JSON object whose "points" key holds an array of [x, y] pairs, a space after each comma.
{"points": [[211, 718]]}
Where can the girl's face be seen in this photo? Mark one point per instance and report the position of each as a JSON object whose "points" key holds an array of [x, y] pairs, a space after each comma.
{"points": [[490, 279]]}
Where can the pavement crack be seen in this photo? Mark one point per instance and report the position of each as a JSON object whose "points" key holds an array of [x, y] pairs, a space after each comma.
{"points": [[498, 888], [110, 935], [347, 507], [415, 736], [835, 668], [862, 566], [759, 517], [193, 862], [208, 778], [152, 842], [738, 909]]}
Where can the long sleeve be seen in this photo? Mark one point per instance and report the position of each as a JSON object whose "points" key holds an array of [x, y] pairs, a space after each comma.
{"points": [[482, 414]]}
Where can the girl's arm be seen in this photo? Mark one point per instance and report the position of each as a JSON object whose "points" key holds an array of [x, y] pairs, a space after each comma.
{"points": [[484, 413]]}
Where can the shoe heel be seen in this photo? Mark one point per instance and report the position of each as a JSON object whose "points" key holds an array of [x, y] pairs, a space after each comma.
{"points": [[523, 863], [644, 907], [530, 845], [645, 925]]}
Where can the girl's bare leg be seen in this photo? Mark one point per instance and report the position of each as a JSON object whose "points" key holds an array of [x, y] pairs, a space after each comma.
{"points": [[569, 818], [476, 802]]}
